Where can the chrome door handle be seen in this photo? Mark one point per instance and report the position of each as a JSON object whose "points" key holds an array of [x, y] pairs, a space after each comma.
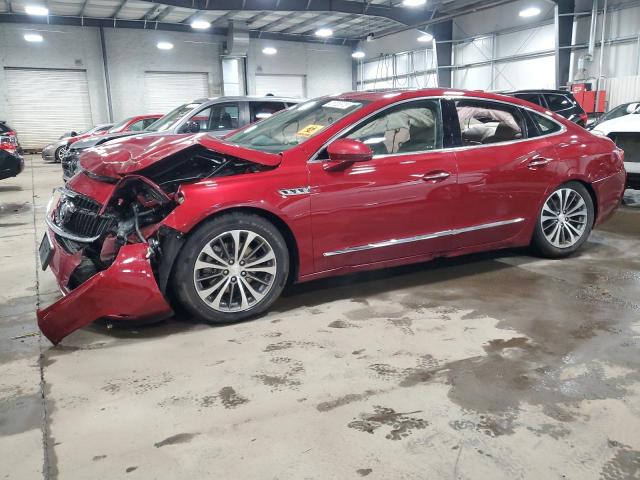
{"points": [[436, 176], [538, 162]]}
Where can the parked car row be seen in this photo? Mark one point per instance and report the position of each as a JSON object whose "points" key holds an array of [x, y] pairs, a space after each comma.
{"points": [[330, 186], [217, 116]]}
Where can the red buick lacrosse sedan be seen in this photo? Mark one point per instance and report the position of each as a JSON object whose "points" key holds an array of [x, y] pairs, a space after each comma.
{"points": [[334, 185]]}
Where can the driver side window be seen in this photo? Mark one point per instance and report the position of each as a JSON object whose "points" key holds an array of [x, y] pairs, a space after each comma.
{"points": [[410, 127]]}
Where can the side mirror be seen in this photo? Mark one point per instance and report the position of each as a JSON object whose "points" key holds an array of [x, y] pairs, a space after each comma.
{"points": [[345, 151], [191, 127], [633, 108]]}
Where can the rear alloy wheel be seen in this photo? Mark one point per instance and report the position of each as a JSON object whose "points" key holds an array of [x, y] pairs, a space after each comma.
{"points": [[565, 221], [232, 268]]}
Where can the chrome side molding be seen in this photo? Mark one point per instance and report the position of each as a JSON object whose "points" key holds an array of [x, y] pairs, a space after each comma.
{"points": [[419, 238]]}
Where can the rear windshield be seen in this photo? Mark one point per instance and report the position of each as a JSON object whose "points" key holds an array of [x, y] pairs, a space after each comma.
{"points": [[171, 118], [4, 128], [120, 125]]}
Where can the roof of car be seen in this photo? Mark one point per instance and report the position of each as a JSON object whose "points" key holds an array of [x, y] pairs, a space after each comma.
{"points": [[246, 98], [372, 96], [538, 90]]}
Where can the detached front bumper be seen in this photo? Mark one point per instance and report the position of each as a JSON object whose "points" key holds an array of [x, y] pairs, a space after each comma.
{"points": [[127, 290]]}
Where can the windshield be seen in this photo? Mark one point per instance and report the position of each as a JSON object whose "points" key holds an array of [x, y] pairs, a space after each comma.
{"points": [[619, 111], [171, 118], [118, 126], [294, 126]]}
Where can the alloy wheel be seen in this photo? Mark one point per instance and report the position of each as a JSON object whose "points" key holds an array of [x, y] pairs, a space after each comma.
{"points": [[564, 218], [235, 271]]}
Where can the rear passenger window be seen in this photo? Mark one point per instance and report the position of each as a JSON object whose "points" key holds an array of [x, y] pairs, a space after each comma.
{"points": [[407, 128], [558, 102], [262, 110], [485, 122], [529, 97], [545, 125]]}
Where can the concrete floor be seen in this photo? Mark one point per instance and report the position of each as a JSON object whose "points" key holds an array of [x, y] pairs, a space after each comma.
{"points": [[497, 366]]}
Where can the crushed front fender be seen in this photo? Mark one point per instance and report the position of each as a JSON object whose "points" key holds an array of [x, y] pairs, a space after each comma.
{"points": [[127, 290]]}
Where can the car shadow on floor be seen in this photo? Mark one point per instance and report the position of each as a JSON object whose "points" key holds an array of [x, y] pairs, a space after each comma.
{"points": [[357, 286]]}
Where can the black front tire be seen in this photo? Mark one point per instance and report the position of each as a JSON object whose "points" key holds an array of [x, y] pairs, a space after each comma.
{"points": [[56, 155], [184, 284], [542, 244]]}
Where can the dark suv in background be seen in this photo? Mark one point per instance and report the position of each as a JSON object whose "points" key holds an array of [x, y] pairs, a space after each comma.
{"points": [[560, 101]]}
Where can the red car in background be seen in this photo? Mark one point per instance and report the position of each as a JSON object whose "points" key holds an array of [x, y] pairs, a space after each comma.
{"points": [[134, 124], [331, 186], [57, 151], [9, 139]]}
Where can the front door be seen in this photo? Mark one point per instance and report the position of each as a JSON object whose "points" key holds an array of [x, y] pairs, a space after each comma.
{"points": [[394, 206]]}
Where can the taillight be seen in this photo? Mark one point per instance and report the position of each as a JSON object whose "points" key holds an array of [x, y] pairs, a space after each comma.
{"points": [[584, 117], [8, 142]]}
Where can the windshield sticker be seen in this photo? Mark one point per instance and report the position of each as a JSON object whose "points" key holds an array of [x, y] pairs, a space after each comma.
{"points": [[309, 130], [340, 105]]}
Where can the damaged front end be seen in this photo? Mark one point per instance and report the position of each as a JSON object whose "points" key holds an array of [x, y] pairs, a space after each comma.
{"points": [[106, 242]]}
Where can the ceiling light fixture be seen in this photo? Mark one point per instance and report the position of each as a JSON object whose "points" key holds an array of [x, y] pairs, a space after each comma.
{"points": [[36, 10], [413, 3], [165, 45], [200, 24], [358, 54], [324, 32], [530, 12], [269, 50], [425, 37], [33, 37]]}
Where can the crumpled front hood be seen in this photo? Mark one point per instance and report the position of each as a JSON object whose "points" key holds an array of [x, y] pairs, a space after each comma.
{"points": [[99, 139], [131, 154]]}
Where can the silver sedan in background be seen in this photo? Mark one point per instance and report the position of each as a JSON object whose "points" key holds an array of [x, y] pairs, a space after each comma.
{"points": [[54, 152]]}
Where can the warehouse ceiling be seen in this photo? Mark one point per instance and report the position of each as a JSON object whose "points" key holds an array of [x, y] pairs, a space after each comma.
{"points": [[298, 19]]}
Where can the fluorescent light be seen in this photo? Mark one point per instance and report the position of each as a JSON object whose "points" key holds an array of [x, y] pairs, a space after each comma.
{"points": [[529, 12], [324, 32], [413, 3], [358, 54], [33, 37], [36, 10], [165, 45], [269, 50], [200, 24], [425, 37]]}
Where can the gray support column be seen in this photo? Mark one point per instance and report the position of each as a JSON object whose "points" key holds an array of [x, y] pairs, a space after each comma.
{"points": [[564, 32], [106, 74], [443, 33]]}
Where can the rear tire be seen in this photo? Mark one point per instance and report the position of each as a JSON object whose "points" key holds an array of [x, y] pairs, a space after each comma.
{"points": [[565, 221], [231, 268]]}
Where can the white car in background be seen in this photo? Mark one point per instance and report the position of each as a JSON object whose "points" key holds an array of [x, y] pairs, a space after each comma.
{"points": [[625, 132]]}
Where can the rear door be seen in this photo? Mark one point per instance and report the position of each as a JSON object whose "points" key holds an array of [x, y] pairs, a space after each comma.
{"points": [[399, 204], [504, 170]]}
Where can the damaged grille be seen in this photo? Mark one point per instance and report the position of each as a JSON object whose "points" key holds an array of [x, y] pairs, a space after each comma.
{"points": [[78, 215]]}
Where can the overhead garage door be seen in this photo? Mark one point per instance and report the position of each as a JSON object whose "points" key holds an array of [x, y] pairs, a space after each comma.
{"points": [[43, 104], [281, 85], [164, 91]]}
